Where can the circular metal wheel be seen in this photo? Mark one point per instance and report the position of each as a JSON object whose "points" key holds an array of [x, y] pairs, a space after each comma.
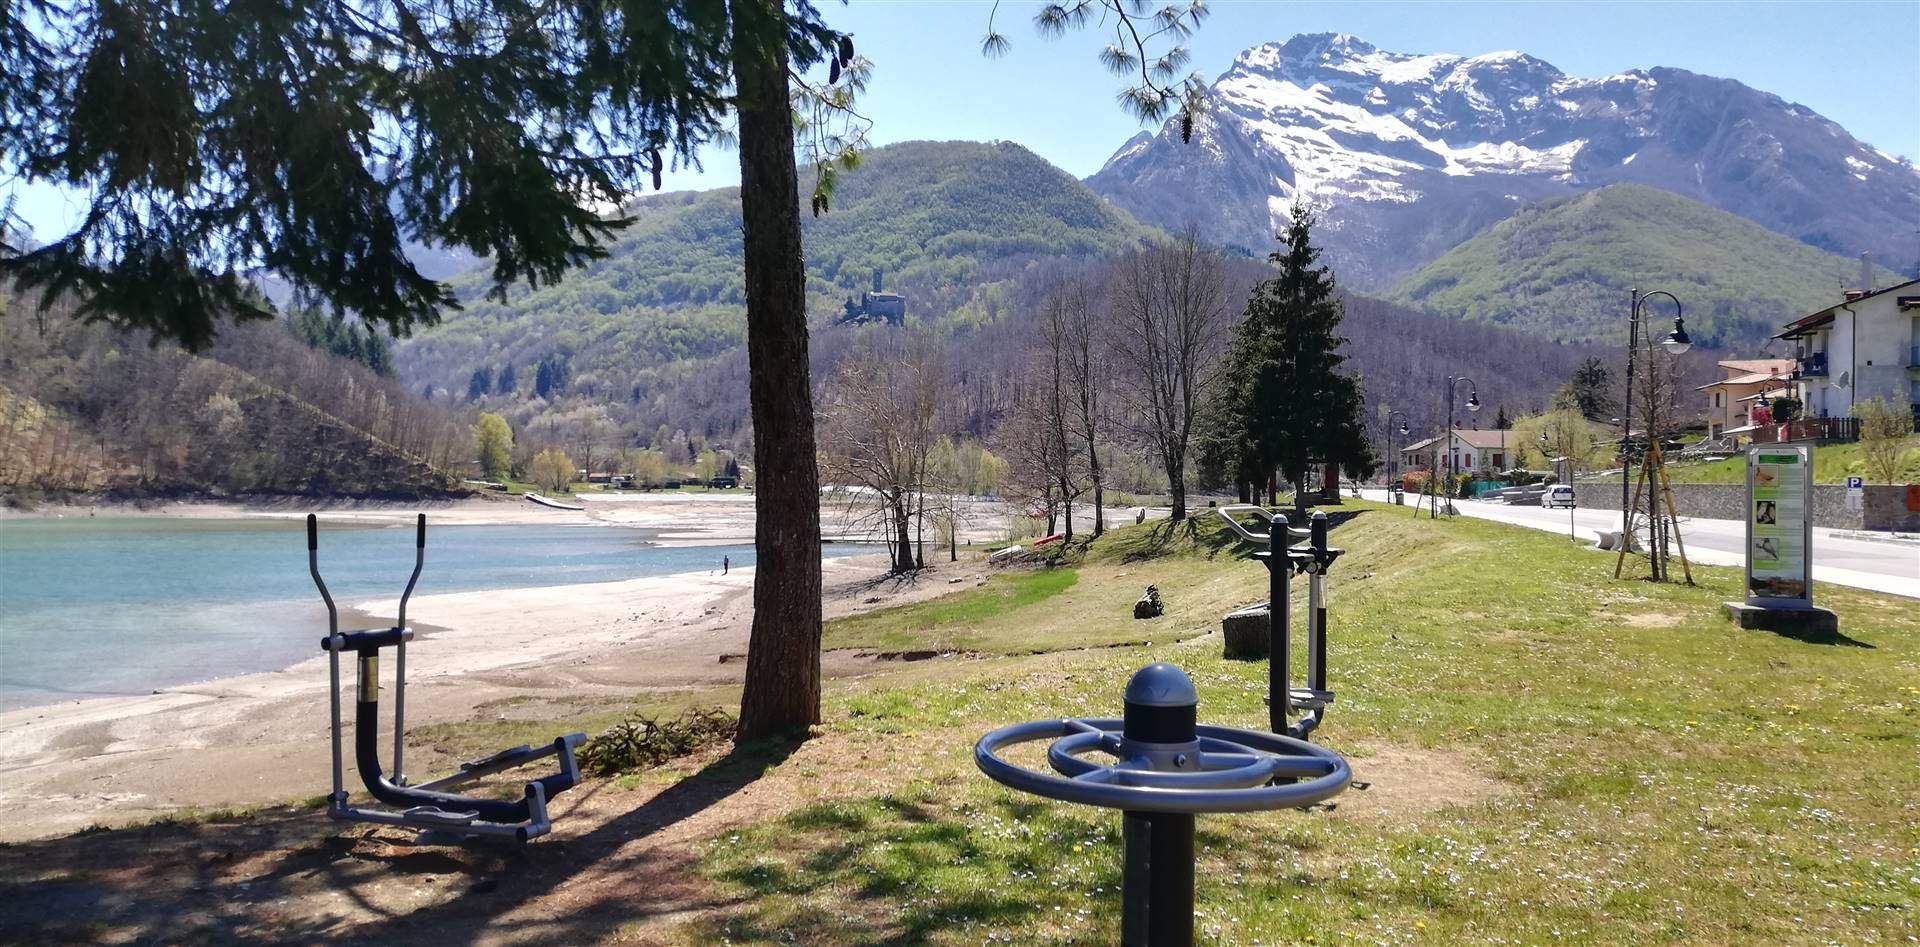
{"points": [[1225, 770]]}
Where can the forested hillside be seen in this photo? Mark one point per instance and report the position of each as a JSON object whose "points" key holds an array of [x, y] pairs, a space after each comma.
{"points": [[648, 330], [644, 346], [86, 408], [1562, 269]]}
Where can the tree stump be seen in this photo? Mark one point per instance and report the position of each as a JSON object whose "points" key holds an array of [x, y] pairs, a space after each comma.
{"points": [[1245, 632]]}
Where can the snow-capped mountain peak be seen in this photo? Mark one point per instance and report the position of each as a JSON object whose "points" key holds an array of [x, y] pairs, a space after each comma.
{"points": [[1407, 154]]}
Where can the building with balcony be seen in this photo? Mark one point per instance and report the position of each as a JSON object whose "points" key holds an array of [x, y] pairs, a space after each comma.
{"points": [[1865, 346], [1743, 382]]}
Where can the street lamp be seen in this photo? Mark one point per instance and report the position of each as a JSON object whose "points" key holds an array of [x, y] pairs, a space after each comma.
{"points": [[1473, 404], [1393, 450], [1676, 342]]}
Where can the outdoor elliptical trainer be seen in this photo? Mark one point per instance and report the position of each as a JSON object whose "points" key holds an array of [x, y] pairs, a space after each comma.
{"points": [[1282, 561], [426, 806]]}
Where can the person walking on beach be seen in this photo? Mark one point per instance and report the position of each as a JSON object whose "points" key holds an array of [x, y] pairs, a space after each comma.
{"points": [[725, 564]]}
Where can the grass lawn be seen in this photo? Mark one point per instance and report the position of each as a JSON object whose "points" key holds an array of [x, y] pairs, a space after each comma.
{"points": [[1832, 463], [1553, 756], [1592, 760], [1081, 597]]}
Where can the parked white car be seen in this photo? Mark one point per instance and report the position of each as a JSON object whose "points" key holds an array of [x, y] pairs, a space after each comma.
{"points": [[1557, 496]]}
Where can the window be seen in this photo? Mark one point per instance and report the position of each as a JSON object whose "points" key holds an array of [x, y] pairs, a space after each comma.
{"points": [[1499, 461]]}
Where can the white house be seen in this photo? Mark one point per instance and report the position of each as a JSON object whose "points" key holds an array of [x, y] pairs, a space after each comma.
{"points": [[1478, 452], [1866, 346]]}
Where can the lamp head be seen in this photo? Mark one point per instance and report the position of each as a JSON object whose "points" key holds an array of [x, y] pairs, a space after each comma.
{"points": [[1473, 401], [1677, 342], [1403, 429]]}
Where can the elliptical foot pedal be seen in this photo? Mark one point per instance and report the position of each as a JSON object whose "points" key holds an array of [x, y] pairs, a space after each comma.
{"points": [[500, 757], [1307, 698], [435, 816]]}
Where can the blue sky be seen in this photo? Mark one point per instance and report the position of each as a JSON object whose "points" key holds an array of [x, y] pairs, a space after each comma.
{"points": [[1852, 62]]}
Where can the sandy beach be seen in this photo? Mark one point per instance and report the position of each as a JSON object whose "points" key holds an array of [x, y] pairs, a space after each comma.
{"points": [[678, 518], [533, 652]]}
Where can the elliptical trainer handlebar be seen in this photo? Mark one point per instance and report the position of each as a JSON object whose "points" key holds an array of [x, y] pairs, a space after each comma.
{"points": [[313, 567]]}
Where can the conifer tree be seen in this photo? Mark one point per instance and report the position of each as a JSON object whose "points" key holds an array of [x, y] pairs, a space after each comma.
{"points": [[480, 384], [1284, 404]]}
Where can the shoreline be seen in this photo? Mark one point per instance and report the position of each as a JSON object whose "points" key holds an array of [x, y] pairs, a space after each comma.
{"points": [[677, 519], [546, 652]]}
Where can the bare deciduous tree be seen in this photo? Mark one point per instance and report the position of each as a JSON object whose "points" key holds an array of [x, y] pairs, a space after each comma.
{"points": [[1169, 315], [877, 428], [1883, 438]]}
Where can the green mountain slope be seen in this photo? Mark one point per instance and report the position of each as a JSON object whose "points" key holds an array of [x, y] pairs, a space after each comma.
{"points": [[1562, 269], [940, 221]]}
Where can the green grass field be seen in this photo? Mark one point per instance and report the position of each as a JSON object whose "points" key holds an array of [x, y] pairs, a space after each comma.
{"points": [[1832, 463], [1558, 756]]}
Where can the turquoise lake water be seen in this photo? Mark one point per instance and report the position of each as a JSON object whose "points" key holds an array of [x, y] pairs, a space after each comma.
{"points": [[100, 606]]}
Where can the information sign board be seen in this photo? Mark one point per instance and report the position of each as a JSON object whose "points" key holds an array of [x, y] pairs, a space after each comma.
{"points": [[1779, 534]]}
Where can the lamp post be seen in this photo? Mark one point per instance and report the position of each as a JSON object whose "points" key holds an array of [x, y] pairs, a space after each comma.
{"points": [[1393, 452], [1675, 342], [1473, 404]]}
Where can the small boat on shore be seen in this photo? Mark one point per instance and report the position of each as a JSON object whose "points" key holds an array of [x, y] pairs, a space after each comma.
{"points": [[556, 504]]}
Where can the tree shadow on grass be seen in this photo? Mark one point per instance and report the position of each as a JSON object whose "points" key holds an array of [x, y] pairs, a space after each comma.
{"points": [[1219, 539], [896, 870], [290, 876]]}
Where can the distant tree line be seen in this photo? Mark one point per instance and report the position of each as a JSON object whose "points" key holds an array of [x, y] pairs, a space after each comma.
{"points": [[345, 338]]}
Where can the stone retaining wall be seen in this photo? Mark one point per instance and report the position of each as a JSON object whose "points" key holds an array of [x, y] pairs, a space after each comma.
{"points": [[1885, 508]]}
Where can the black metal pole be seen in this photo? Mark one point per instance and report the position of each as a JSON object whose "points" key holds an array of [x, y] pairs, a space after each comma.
{"points": [[1279, 580], [1446, 486], [1626, 414], [1156, 881], [1317, 660]]}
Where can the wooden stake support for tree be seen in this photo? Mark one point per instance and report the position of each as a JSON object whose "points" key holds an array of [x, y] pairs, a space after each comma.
{"points": [[1661, 519]]}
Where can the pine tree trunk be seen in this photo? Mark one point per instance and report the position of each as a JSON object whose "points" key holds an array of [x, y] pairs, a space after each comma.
{"points": [[782, 688]]}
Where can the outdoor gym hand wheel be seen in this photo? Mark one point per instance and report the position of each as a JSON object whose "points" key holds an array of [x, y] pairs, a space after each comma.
{"points": [[1166, 769]]}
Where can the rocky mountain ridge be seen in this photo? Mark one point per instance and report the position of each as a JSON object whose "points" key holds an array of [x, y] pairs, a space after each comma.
{"points": [[1409, 155]]}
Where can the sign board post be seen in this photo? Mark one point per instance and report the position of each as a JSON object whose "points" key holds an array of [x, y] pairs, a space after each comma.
{"points": [[1779, 559], [1856, 493]]}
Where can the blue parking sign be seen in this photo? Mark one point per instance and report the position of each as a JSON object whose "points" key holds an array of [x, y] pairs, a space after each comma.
{"points": [[1856, 483]]}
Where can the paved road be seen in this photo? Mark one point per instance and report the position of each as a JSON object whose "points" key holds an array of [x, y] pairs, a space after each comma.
{"points": [[1881, 566]]}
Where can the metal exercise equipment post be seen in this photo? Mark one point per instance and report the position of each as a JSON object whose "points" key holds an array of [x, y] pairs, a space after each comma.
{"points": [[1315, 561], [1168, 769], [427, 806]]}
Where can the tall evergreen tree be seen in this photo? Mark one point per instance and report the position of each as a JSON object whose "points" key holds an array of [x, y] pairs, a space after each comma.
{"points": [[1591, 387], [507, 382], [480, 384], [1285, 395]]}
